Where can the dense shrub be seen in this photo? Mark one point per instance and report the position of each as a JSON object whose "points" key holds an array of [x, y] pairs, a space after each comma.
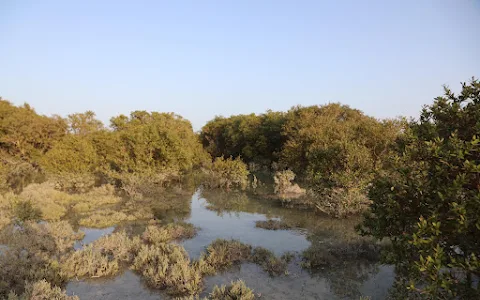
{"points": [[25, 134], [17, 268], [284, 186], [222, 254], [256, 138], [118, 245], [73, 154], [227, 173], [429, 204], [89, 262], [32, 254]]}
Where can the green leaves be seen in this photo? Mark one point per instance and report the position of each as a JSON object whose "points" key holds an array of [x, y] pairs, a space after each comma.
{"points": [[429, 203]]}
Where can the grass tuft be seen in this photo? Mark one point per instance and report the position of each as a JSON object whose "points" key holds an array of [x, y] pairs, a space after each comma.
{"points": [[167, 267], [237, 290], [41, 290]]}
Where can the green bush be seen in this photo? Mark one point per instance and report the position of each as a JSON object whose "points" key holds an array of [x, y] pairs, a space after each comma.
{"points": [[428, 205], [227, 173]]}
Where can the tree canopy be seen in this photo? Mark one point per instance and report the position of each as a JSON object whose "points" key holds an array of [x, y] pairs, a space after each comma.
{"points": [[428, 204]]}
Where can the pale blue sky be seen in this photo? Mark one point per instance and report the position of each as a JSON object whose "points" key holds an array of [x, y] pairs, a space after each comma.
{"points": [[206, 58]]}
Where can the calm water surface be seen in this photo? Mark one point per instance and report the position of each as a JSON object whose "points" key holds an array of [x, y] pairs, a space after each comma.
{"points": [[233, 215]]}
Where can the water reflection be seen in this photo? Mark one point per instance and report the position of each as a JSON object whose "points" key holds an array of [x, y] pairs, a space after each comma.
{"points": [[91, 235], [237, 225]]}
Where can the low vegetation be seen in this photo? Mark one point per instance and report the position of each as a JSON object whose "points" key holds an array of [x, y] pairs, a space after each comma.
{"points": [[272, 264], [222, 254], [272, 225], [89, 262], [237, 290], [173, 231], [167, 267], [41, 290]]}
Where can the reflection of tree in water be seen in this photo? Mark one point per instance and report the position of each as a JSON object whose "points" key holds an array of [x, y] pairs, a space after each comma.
{"points": [[345, 264], [173, 205], [222, 202]]}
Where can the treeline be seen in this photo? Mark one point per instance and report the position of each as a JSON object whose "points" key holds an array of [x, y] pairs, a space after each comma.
{"points": [[333, 149], [422, 177], [143, 143]]}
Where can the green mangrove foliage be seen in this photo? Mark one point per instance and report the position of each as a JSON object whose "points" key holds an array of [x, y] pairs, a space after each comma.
{"points": [[79, 152], [257, 139], [428, 205], [227, 173], [334, 149]]}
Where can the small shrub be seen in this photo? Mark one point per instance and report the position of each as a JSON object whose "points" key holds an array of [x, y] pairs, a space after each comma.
{"points": [[41, 290], [118, 245], [157, 235], [48, 238], [25, 211], [89, 262], [237, 290], [167, 267], [227, 173], [269, 262], [17, 267], [222, 254], [50, 202], [283, 180], [272, 225]]}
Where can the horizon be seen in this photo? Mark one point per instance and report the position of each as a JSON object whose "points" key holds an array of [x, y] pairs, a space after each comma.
{"points": [[201, 60]]}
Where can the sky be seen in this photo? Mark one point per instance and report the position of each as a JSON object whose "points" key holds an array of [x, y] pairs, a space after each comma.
{"points": [[205, 58]]}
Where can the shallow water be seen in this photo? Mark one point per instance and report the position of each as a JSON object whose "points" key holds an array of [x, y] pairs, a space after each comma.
{"points": [[233, 215], [239, 226], [92, 234]]}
